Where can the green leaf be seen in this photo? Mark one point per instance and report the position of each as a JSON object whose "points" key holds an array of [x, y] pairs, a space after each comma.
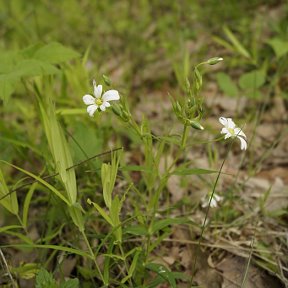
{"points": [[226, 84], [55, 53], [40, 180], [10, 202], [252, 80], [279, 46], [7, 87], [27, 203], [45, 280], [26, 271], [192, 171], [75, 211], [59, 147], [53, 247], [132, 266], [161, 224], [198, 79], [10, 227], [71, 283], [108, 178], [133, 168], [163, 272], [114, 215], [31, 68], [139, 230], [101, 211], [237, 44]]}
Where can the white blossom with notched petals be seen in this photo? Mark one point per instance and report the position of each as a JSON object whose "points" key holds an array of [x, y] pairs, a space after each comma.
{"points": [[231, 131], [99, 101]]}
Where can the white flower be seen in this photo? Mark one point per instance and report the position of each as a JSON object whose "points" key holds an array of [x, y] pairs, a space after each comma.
{"points": [[231, 130], [214, 201], [99, 101]]}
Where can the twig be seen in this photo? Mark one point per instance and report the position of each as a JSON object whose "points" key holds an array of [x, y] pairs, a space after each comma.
{"points": [[67, 169], [7, 269]]}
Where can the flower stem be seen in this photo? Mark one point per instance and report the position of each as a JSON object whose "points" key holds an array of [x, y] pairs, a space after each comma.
{"points": [[206, 215], [93, 256], [184, 136]]}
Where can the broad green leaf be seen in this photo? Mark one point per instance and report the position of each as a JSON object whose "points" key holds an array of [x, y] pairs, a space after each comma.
{"points": [[163, 272], [10, 202], [161, 224], [227, 85], [55, 53], [31, 68], [59, 148], [279, 46], [45, 280], [71, 283], [252, 80]]}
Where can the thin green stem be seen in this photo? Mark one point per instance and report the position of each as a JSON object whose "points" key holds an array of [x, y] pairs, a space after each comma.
{"points": [[22, 224], [93, 256], [206, 214], [184, 137], [125, 263]]}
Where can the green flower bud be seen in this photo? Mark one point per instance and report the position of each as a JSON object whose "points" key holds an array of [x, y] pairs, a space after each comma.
{"points": [[196, 125], [116, 110], [214, 60], [106, 80]]}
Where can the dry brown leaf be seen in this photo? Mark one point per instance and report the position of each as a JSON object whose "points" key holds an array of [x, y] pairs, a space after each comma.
{"points": [[233, 270]]}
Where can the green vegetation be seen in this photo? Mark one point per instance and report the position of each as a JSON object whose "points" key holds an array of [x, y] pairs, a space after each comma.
{"points": [[147, 193]]}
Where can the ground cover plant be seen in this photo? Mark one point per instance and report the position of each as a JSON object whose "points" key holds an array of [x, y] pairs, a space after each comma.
{"points": [[143, 143]]}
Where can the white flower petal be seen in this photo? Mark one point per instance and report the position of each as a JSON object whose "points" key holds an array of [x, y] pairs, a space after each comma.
{"points": [[230, 123], [224, 131], [102, 107], [91, 109], [217, 198], [243, 143], [213, 203], [205, 203], [110, 95], [223, 121], [88, 99], [98, 91], [228, 135], [239, 132], [106, 104]]}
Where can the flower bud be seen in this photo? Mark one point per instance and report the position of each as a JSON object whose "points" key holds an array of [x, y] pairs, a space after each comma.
{"points": [[214, 60], [196, 125], [116, 110], [106, 80]]}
